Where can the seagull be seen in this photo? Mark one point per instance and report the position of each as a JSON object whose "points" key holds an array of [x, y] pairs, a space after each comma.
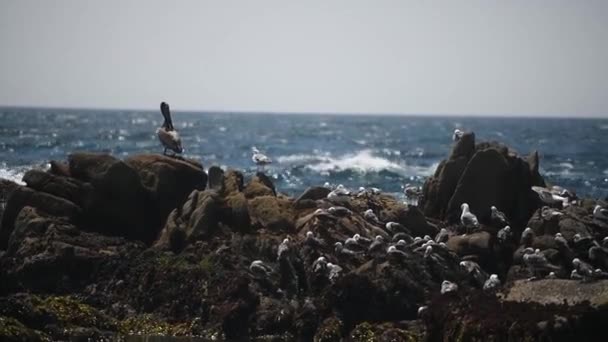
{"points": [[560, 240], [422, 311], [362, 240], [283, 249], [600, 213], [474, 270], [339, 211], [259, 159], [598, 255], [605, 242], [401, 245], [548, 213], [468, 219], [340, 249], [583, 268], [575, 275], [258, 267], [334, 271], [394, 252], [395, 228], [498, 217], [537, 262], [551, 275], [428, 251], [370, 216], [167, 134], [442, 236], [352, 243], [492, 283], [319, 265], [412, 193], [549, 197], [403, 236], [311, 240], [457, 134], [447, 287], [504, 235], [527, 237], [377, 245], [340, 194]]}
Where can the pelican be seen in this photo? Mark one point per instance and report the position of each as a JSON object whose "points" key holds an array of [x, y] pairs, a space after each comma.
{"points": [[167, 134]]}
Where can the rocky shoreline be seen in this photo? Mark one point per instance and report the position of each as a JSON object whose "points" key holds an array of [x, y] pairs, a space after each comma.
{"points": [[98, 247]]}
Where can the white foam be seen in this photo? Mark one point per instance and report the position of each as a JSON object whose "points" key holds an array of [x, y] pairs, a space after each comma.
{"points": [[15, 175], [362, 162]]}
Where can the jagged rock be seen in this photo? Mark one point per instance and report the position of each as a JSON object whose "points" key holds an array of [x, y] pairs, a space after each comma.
{"points": [[489, 175], [196, 220], [479, 244], [6, 189], [46, 253], [22, 197], [232, 182], [169, 180], [260, 185], [216, 175], [237, 213], [313, 193], [274, 213], [70, 189]]}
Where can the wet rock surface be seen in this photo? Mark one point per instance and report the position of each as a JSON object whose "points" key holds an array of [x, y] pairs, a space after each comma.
{"points": [[100, 247]]}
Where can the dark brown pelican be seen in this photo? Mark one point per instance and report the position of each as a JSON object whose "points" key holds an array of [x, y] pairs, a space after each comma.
{"points": [[167, 134]]}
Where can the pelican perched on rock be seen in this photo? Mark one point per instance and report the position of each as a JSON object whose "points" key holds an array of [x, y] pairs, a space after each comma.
{"points": [[259, 158], [167, 134]]}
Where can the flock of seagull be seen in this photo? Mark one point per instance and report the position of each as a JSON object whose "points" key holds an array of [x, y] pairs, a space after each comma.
{"points": [[396, 241]]}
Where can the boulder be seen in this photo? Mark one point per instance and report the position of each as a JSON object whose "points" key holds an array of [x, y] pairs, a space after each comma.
{"points": [[273, 213], [6, 189], [196, 220], [216, 175], [169, 180], [260, 185], [232, 182], [236, 212], [488, 175], [559, 291], [22, 197], [70, 189]]}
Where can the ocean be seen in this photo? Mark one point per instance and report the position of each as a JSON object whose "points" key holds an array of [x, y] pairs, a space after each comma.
{"points": [[386, 152]]}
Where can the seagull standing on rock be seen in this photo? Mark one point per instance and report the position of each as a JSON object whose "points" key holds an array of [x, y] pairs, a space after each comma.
{"points": [[457, 134], [283, 249], [370, 216], [258, 267], [447, 287], [467, 218], [504, 235], [167, 134], [259, 159], [498, 217], [492, 283], [600, 213]]}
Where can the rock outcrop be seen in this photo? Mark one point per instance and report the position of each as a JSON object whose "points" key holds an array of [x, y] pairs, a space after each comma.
{"points": [[483, 175]]}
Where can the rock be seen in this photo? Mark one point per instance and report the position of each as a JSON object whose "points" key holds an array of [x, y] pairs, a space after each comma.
{"points": [[237, 212], [313, 193], [46, 253], [22, 197], [559, 291], [492, 175], [6, 189], [260, 185], [169, 180], [479, 244], [216, 175], [232, 182], [196, 220], [270, 212], [70, 189]]}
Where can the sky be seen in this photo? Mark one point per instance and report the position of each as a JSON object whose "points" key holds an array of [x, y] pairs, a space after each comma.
{"points": [[539, 57]]}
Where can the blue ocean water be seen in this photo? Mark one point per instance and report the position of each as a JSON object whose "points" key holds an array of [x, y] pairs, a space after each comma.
{"points": [[380, 151]]}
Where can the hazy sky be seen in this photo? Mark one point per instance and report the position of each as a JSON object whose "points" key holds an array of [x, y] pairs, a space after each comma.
{"points": [[447, 57]]}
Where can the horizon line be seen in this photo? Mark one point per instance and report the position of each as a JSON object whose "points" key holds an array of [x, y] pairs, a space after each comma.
{"points": [[272, 112]]}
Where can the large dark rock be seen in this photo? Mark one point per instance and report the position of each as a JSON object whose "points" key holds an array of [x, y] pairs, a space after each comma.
{"points": [[22, 197], [196, 220], [6, 189], [487, 175], [274, 213], [260, 185], [70, 189]]}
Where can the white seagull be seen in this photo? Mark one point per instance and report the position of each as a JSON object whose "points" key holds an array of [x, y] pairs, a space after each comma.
{"points": [[467, 218], [259, 159]]}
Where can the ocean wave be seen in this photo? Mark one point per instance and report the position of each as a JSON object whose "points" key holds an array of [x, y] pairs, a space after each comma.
{"points": [[15, 175], [363, 161]]}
